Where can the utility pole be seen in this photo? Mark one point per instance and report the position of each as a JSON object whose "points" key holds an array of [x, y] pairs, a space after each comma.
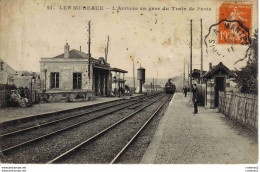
{"points": [[188, 75], [190, 55], [201, 62], [89, 55], [156, 80], [134, 75], [184, 76], [153, 83], [106, 49]]}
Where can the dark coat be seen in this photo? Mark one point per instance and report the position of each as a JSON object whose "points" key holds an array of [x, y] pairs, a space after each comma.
{"points": [[195, 94]]}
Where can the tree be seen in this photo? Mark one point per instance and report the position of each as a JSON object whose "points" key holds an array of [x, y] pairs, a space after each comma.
{"points": [[247, 76]]}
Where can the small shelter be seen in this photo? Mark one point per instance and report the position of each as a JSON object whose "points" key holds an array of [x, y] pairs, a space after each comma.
{"points": [[118, 86], [217, 79]]}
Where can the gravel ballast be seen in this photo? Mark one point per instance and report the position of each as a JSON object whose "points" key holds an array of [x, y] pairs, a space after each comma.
{"points": [[44, 150], [105, 148]]}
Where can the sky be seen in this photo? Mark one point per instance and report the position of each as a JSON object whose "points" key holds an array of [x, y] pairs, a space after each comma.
{"points": [[158, 40]]}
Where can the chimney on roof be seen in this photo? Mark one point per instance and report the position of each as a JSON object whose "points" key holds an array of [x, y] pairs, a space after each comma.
{"points": [[66, 50], [210, 66], [80, 48]]}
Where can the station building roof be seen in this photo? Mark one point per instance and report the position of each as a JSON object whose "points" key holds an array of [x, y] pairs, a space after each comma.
{"points": [[74, 54]]}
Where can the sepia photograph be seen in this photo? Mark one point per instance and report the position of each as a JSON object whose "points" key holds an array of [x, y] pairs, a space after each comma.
{"points": [[129, 82]]}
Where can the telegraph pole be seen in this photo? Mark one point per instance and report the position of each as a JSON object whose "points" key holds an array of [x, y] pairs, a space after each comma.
{"points": [[190, 55], [89, 55], [184, 76], [188, 75], [153, 83], [106, 50], [201, 62], [134, 75]]}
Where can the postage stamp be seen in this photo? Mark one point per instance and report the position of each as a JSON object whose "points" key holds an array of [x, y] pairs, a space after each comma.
{"points": [[235, 22]]}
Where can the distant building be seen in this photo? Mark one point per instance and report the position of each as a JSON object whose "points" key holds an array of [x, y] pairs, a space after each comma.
{"points": [[6, 72], [158, 88], [24, 79], [18, 78], [68, 76], [147, 88]]}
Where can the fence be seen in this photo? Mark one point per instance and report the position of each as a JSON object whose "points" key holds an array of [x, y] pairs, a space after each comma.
{"points": [[242, 108]]}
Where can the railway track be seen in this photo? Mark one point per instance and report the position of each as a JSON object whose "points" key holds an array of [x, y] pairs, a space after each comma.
{"points": [[138, 132], [10, 127], [9, 141], [66, 156], [31, 147]]}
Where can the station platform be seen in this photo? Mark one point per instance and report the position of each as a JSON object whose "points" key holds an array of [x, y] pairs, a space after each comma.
{"points": [[13, 113], [205, 138]]}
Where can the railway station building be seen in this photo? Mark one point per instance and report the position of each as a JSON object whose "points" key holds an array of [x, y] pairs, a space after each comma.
{"points": [[69, 76]]}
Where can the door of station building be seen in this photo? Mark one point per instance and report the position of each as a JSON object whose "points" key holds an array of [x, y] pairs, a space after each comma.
{"points": [[96, 73], [219, 86], [102, 83]]}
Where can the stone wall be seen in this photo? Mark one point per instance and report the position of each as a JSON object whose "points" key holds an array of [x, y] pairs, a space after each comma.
{"points": [[62, 96]]}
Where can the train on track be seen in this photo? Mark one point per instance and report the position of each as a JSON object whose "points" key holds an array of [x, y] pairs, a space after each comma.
{"points": [[170, 87]]}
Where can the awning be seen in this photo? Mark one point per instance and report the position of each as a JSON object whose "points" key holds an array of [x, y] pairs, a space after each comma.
{"points": [[117, 80], [102, 67], [118, 70]]}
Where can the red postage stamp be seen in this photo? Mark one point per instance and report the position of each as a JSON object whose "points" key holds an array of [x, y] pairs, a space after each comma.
{"points": [[235, 24]]}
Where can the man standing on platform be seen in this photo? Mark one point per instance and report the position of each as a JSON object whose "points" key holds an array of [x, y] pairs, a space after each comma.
{"points": [[185, 90], [195, 92]]}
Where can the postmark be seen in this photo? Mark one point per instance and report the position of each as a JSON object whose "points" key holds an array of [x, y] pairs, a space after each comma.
{"points": [[235, 22], [237, 34], [231, 32]]}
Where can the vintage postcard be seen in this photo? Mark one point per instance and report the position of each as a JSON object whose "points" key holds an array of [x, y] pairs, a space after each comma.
{"points": [[128, 82]]}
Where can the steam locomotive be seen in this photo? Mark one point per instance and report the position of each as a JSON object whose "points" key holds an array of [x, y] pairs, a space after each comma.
{"points": [[169, 87]]}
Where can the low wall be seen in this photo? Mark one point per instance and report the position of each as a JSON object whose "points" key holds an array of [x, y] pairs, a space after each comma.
{"points": [[242, 108], [62, 96]]}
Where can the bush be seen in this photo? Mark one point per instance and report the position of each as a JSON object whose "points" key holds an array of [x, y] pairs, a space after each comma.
{"points": [[247, 76]]}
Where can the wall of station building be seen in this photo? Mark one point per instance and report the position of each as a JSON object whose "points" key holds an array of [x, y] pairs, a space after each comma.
{"points": [[90, 85], [66, 70]]}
